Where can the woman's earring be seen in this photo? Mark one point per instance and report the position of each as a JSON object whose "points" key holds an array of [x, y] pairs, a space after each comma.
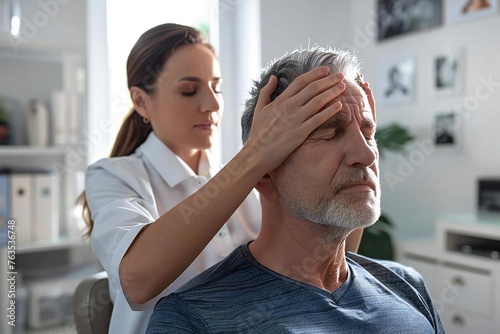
{"points": [[145, 120]]}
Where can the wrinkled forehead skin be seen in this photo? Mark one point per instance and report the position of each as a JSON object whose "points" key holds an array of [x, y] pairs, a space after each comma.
{"points": [[354, 102]]}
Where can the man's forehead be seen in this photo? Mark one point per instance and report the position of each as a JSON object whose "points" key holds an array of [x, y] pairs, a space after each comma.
{"points": [[353, 98], [354, 102]]}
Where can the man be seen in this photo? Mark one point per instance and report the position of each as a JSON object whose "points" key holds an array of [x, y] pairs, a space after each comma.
{"points": [[296, 276]]}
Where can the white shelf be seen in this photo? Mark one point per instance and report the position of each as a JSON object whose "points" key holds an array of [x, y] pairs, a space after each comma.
{"points": [[31, 158], [55, 55], [48, 245], [38, 53], [23, 150], [68, 328]]}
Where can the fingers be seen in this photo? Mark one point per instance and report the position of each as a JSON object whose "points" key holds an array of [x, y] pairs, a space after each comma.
{"points": [[304, 80], [318, 87], [321, 117], [324, 99], [371, 99], [266, 92], [314, 97], [360, 79]]}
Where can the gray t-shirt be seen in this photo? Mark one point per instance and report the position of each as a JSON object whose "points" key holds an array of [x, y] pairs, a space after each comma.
{"points": [[238, 295]]}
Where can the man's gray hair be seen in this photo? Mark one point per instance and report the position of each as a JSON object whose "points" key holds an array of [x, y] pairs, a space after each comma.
{"points": [[290, 66]]}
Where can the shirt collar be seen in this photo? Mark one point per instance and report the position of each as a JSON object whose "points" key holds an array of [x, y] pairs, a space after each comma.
{"points": [[172, 168]]}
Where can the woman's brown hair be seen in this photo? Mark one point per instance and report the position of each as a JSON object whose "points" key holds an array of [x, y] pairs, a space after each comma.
{"points": [[144, 65]]}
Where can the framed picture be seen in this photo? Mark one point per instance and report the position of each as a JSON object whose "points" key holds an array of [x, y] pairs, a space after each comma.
{"points": [[396, 80], [488, 195], [446, 130], [465, 10], [397, 17], [448, 71]]}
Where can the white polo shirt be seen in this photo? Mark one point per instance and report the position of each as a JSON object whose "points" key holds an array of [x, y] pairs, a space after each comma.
{"points": [[126, 193]]}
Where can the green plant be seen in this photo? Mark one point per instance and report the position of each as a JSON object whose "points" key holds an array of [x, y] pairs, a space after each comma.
{"points": [[392, 137], [377, 241]]}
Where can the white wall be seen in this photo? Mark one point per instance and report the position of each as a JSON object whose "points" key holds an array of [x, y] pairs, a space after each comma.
{"points": [[291, 24], [445, 180], [239, 55], [41, 23], [98, 119]]}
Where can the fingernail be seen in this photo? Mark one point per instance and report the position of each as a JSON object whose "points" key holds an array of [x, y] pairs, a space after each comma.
{"points": [[338, 76], [325, 69]]}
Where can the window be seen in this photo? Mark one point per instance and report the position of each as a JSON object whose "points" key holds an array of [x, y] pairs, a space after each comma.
{"points": [[126, 21]]}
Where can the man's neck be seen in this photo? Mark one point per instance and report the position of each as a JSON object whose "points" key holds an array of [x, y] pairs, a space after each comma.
{"points": [[302, 251]]}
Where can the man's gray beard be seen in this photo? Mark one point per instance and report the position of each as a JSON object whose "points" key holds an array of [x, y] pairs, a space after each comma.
{"points": [[342, 213]]}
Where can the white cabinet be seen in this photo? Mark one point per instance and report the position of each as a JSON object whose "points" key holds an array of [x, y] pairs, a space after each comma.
{"points": [[49, 55], [462, 271], [468, 288]]}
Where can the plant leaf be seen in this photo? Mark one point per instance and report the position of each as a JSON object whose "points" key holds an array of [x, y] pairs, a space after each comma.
{"points": [[392, 137]]}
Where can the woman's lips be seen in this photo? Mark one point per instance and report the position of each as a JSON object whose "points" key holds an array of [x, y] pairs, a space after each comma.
{"points": [[206, 126]]}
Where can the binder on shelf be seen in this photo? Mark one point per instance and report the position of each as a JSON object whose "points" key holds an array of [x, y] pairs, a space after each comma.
{"points": [[21, 206], [4, 208], [45, 206]]}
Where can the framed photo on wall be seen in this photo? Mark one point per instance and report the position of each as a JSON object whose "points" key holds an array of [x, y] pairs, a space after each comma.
{"points": [[446, 132], [448, 72], [398, 17], [488, 195], [465, 10], [396, 80]]}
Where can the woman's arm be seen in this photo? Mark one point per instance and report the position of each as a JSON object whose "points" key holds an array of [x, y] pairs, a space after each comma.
{"points": [[165, 248]]}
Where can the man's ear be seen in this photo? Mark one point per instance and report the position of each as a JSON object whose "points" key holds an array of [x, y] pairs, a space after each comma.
{"points": [[141, 101], [266, 188]]}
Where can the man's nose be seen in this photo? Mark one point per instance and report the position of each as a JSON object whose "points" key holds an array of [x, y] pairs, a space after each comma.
{"points": [[361, 152]]}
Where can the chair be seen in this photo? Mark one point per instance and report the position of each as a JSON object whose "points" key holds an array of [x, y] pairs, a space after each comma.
{"points": [[92, 306]]}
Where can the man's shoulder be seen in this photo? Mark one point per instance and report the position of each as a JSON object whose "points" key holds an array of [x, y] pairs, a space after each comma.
{"points": [[386, 270], [401, 280], [231, 271], [225, 297]]}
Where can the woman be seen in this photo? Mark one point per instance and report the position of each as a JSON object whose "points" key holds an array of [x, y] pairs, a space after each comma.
{"points": [[159, 211]]}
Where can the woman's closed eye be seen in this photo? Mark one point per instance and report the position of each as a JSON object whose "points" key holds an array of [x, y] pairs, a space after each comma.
{"points": [[190, 93], [194, 91]]}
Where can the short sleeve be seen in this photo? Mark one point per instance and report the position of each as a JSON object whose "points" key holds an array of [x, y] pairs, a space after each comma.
{"points": [[121, 202]]}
